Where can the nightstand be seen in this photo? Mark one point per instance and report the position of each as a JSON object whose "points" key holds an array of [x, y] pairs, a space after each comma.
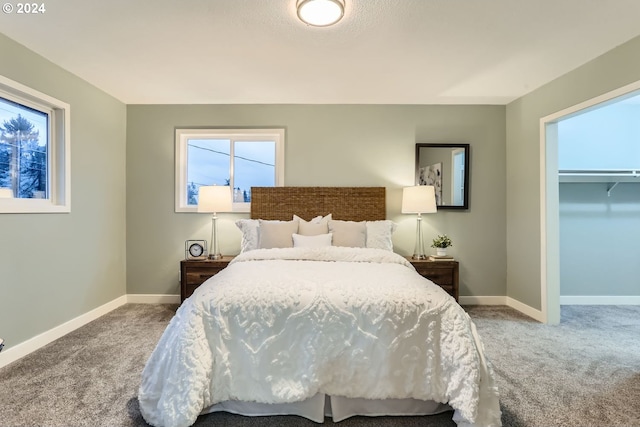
{"points": [[194, 272], [442, 273]]}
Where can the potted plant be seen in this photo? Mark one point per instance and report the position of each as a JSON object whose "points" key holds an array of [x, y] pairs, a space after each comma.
{"points": [[441, 243]]}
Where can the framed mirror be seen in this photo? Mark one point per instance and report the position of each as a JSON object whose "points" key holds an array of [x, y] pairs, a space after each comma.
{"points": [[446, 167]]}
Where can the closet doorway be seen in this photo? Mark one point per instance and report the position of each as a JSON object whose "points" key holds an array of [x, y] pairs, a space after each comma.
{"points": [[599, 204], [563, 197]]}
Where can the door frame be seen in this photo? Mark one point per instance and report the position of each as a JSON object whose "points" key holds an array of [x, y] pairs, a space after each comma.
{"points": [[549, 197]]}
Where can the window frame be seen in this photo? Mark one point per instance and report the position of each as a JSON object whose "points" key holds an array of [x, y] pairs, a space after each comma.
{"points": [[58, 198], [182, 135]]}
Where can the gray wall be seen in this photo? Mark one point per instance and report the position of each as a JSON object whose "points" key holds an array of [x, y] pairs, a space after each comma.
{"points": [[55, 267], [341, 145], [599, 237], [616, 68]]}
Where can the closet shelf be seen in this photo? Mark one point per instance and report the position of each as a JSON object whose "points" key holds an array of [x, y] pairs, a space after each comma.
{"points": [[600, 175]]}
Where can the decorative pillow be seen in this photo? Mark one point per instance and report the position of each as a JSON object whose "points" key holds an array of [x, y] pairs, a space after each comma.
{"points": [[379, 234], [277, 234], [318, 225], [250, 234], [348, 233], [313, 220], [317, 241]]}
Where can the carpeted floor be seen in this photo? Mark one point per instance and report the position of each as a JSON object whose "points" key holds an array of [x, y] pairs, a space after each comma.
{"points": [[583, 372]]}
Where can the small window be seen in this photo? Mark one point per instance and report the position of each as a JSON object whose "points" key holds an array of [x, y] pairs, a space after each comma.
{"points": [[239, 158], [34, 151]]}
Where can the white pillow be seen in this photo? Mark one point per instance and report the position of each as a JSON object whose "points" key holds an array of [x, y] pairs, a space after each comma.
{"points": [[317, 241], [250, 234], [250, 229], [313, 220], [379, 234], [348, 233], [318, 225], [277, 234]]}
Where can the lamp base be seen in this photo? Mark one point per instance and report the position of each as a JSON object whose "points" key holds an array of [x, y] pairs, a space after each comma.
{"points": [[419, 256], [215, 256]]}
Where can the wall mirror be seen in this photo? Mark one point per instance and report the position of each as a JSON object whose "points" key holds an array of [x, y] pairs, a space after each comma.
{"points": [[446, 167]]}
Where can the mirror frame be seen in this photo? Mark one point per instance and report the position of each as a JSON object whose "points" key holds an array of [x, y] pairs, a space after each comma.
{"points": [[466, 148]]}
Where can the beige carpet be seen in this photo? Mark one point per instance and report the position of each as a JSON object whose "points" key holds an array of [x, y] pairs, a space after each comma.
{"points": [[583, 372]]}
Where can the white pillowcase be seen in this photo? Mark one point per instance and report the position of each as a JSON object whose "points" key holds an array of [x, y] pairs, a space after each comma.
{"points": [[250, 229], [276, 234], [318, 225], [317, 241], [250, 234], [379, 234], [351, 234]]}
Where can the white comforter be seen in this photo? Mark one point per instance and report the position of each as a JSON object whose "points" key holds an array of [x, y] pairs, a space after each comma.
{"points": [[280, 325]]}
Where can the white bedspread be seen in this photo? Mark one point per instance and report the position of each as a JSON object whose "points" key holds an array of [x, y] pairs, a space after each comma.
{"points": [[280, 325]]}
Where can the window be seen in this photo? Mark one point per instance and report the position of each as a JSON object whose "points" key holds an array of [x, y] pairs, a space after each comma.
{"points": [[240, 158], [34, 151]]}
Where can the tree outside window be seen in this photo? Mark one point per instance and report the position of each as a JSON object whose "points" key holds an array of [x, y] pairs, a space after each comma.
{"points": [[23, 151]]}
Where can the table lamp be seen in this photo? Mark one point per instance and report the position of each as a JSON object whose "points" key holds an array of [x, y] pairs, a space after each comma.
{"points": [[214, 199], [419, 199]]}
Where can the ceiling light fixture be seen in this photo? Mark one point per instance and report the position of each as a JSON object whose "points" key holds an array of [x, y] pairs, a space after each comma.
{"points": [[320, 13]]}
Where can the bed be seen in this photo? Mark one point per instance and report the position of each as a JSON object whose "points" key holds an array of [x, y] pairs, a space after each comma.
{"points": [[317, 316]]}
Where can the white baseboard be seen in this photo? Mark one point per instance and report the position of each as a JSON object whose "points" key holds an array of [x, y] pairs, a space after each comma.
{"points": [[20, 350], [503, 300], [599, 300], [534, 313], [153, 299]]}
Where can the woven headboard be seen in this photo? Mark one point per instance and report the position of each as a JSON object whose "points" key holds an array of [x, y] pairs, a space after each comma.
{"points": [[343, 203]]}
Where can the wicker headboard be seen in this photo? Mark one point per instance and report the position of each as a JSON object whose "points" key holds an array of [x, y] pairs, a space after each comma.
{"points": [[343, 203]]}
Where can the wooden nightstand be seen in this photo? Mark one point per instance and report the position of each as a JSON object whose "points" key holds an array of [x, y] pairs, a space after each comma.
{"points": [[442, 273], [193, 273]]}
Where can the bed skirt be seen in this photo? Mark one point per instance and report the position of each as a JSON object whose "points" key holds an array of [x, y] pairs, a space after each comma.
{"points": [[338, 408]]}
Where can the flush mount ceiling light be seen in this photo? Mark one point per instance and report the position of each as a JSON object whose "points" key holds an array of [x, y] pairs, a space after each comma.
{"points": [[320, 13]]}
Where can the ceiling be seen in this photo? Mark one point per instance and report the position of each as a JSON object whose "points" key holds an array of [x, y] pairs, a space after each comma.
{"points": [[382, 52]]}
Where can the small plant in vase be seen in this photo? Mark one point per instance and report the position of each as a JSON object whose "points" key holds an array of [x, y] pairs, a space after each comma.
{"points": [[441, 243]]}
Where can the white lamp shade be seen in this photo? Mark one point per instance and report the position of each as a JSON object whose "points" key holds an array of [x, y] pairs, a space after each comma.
{"points": [[6, 193], [419, 199], [320, 13], [214, 198]]}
